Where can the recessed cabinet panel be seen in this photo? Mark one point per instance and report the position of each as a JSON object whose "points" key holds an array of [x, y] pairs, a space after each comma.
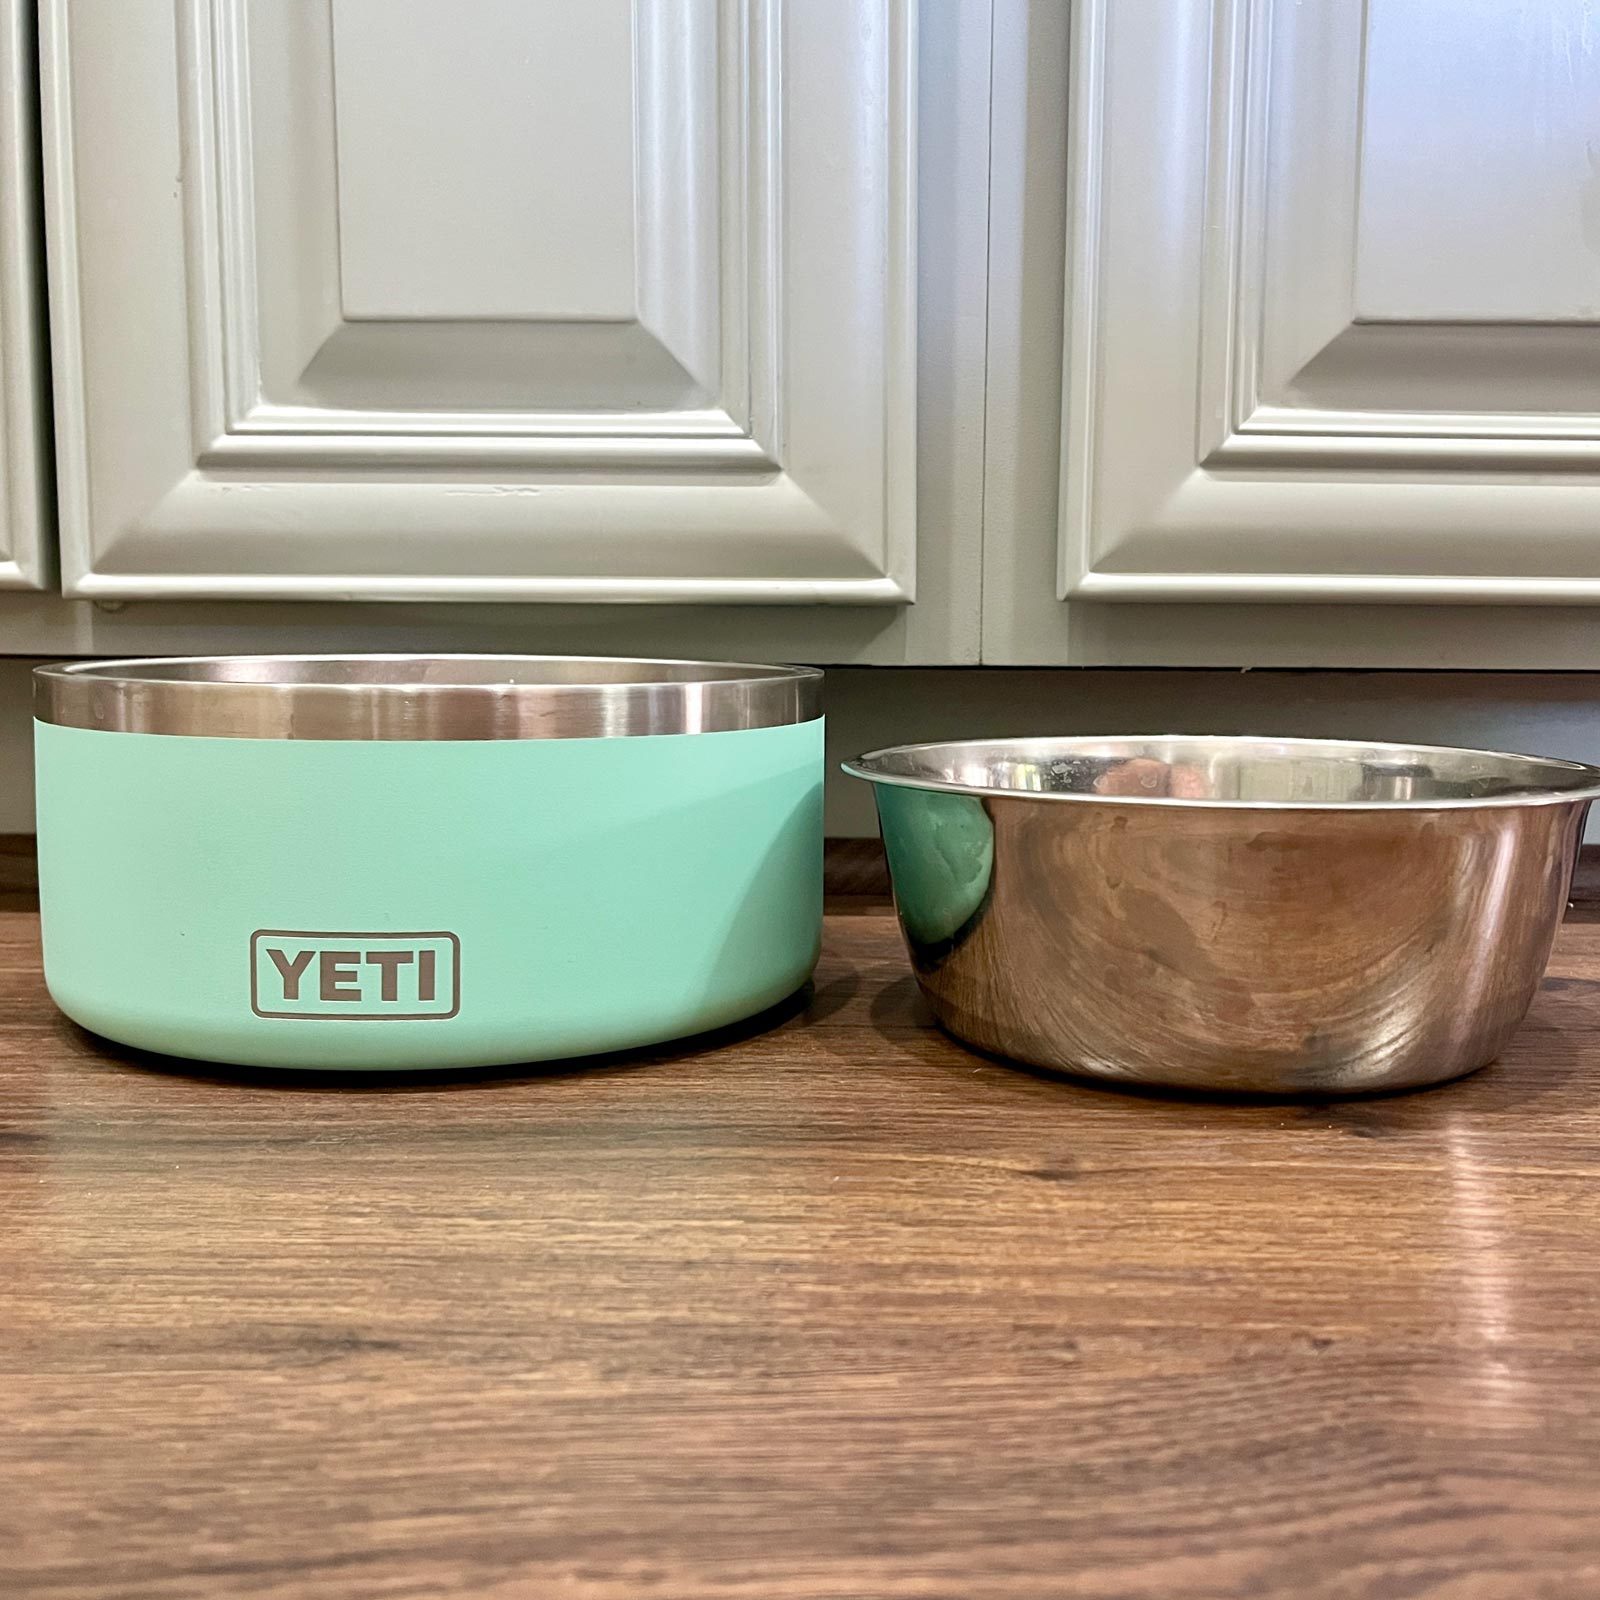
{"points": [[545, 231], [1480, 162]]}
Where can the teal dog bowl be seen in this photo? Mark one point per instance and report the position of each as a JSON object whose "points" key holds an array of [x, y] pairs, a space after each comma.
{"points": [[424, 861]]}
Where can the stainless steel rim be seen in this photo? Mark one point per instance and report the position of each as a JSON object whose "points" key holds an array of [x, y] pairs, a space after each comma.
{"points": [[1549, 780], [425, 697]]}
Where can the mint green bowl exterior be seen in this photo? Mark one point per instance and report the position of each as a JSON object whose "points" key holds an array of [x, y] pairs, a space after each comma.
{"points": [[526, 898]]}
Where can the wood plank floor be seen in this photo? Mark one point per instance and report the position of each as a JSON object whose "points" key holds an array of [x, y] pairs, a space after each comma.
{"points": [[833, 1309]]}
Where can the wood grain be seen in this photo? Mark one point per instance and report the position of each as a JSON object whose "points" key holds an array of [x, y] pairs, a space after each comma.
{"points": [[831, 1310]]}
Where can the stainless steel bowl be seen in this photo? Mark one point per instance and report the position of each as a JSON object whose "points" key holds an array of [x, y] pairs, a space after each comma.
{"points": [[1281, 916], [396, 862]]}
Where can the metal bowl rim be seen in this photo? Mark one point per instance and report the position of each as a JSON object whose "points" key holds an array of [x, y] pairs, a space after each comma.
{"points": [[640, 695], [1589, 790]]}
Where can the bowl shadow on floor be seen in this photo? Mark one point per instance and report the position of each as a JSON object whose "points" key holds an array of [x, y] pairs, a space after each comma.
{"points": [[900, 1004], [805, 1004]]}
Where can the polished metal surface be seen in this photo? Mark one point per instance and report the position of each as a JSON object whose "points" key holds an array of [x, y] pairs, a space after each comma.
{"points": [[422, 696], [1259, 916]]}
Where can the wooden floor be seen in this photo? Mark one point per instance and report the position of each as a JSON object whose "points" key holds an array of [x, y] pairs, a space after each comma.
{"points": [[831, 1310]]}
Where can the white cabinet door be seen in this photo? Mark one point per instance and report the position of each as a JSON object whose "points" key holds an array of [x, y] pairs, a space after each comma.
{"points": [[22, 552], [484, 299], [1331, 327]]}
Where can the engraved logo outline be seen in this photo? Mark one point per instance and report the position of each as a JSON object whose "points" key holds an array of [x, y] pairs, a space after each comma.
{"points": [[357, 935]]}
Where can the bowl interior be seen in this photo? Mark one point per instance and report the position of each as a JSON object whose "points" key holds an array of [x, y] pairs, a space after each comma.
{"points": [[1229, 771]]}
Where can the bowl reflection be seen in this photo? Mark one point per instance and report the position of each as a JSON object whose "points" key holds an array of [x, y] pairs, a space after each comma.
{"points": [[1285, 916]]}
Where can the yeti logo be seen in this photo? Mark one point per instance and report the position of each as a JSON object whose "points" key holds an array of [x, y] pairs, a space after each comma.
{"points": [[374, 977]]}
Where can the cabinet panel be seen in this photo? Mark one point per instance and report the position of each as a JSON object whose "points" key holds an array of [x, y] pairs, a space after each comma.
{"points": [[432, 299], [1333, 303], [22, 553], [1509, 110], [531, 239]]}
